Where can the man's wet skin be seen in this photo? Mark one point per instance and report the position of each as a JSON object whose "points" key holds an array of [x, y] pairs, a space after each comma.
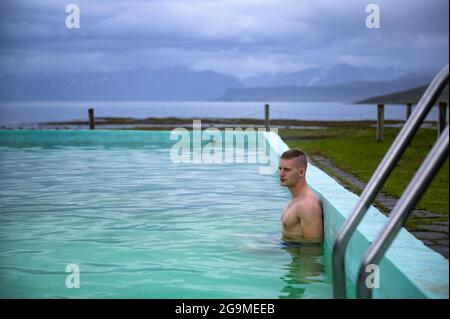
{"points": [[302, 219]]}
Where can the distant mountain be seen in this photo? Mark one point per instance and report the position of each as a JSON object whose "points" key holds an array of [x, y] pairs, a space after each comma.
{"points": [[403, 97], [347, 92], [338, 74], [138, 84], [342, 82]]}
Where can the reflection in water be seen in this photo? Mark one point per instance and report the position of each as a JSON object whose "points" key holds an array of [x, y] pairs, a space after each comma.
{"points": [[305, 268]]}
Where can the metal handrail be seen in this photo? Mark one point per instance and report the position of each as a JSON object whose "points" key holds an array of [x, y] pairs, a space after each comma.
{"points": [[418, 185], [379, 177]]}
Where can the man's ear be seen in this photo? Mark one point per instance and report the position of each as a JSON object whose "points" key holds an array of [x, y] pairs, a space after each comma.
{"points": [[302, 171]]}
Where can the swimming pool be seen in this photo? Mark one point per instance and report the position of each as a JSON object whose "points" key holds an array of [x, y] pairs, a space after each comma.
{"points": [[140, 226]]}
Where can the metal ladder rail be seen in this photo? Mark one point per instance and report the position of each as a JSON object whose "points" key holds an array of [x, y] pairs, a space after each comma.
{"points": [[379, 177], [418, 185]]}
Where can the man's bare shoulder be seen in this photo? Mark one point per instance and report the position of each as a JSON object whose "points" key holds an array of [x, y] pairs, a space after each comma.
{"points": [[309, 207]]}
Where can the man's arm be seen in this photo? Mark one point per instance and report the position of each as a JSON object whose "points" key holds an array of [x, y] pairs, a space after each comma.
{"points": [[310, 215]]}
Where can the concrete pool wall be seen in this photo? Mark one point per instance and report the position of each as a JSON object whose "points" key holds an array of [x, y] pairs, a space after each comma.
{"points": [[409, 269]]}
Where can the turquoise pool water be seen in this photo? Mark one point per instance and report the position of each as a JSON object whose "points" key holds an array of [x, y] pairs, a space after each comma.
{"points": [[140, 226]]}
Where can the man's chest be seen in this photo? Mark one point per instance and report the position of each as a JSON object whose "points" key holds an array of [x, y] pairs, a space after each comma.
{"points": [[289, 216]]}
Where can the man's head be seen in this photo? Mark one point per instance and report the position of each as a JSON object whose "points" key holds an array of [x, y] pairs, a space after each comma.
{"points": [[293, 164]]}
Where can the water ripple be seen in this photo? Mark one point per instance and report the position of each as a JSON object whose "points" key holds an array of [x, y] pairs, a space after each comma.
{"points": [[139, 225]]}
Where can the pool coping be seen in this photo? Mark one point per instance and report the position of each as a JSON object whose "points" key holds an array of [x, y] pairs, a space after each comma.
{"points": [[419, 272]]}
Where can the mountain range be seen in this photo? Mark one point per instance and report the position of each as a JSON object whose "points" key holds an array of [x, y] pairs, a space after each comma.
{"points": [[335, 75], [134, 85], [347, 92], [341, 82], [403, 97]]}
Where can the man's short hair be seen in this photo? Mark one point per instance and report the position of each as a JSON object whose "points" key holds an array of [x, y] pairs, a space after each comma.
{"points": [[296, 153]]}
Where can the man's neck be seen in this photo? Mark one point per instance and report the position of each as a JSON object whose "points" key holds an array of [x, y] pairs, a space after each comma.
{"points": [[299, 189]]}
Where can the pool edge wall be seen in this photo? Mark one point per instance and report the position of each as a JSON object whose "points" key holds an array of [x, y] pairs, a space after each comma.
{"points": [[409, 269]]}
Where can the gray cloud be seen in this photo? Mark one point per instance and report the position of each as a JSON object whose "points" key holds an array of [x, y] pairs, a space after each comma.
{"points": [[240, 37]]}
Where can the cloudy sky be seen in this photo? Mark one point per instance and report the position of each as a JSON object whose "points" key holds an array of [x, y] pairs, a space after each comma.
{"points": [[239, 37]]}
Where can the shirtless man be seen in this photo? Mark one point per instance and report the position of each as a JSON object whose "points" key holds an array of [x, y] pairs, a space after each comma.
{"points": [[302, 219]]}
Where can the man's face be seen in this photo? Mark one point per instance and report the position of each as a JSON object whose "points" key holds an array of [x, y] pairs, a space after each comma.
{"points": [[290, 172]]}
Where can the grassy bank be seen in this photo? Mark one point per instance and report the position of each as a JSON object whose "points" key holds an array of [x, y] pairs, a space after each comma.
{"points": [[355, 150]]}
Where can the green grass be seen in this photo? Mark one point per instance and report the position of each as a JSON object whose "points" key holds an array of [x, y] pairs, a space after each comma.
{"points": [[355, 150]]}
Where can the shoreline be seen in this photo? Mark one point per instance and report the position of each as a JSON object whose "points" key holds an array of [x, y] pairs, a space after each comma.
{"points": [[169, 123]]}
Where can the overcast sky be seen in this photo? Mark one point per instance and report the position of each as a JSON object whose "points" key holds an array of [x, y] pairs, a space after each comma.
{"points": [[238, 37]]}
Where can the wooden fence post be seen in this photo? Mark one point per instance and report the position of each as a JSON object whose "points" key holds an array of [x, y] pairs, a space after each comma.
{"points": [[408, 110], [91, 119], [442, 117], [266, 117], [380, 122]]}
